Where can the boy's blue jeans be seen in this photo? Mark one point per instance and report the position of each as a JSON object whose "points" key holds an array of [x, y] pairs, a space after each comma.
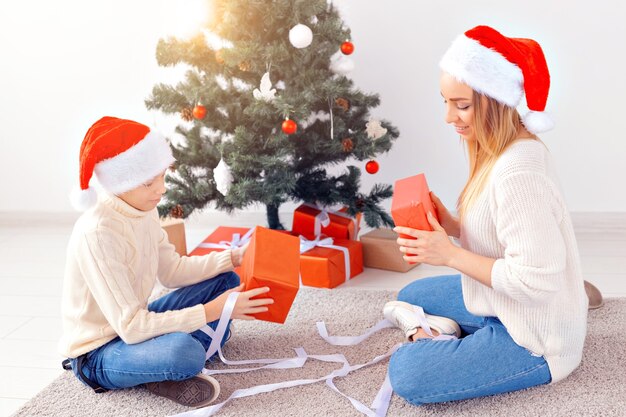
{"points": [[485, 361], [173, 356]]}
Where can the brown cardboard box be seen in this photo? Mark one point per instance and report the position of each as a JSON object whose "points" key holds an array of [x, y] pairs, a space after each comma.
{"points": [[380, 250], [175, 229]]}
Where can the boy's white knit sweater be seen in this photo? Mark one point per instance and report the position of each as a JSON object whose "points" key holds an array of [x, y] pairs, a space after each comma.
{"points": [[521, 220], [114, 257]]}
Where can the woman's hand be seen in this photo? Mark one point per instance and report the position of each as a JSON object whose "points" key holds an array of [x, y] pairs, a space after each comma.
{"points": [[236, 255], [434, 248], [245, 306], [448, 221]]}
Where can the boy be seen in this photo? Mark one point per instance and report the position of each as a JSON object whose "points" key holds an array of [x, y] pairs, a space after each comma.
{"points": [[112, 337]]}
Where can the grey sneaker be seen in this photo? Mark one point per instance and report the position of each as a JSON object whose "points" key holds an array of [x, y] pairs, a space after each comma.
{"points": [[408, 318], [198, 391]]}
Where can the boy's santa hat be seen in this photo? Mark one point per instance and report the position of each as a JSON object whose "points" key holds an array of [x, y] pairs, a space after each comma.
{"points": [[504, 69], [123, 154]]}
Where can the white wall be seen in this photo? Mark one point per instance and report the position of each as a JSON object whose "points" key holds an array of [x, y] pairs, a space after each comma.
{"points": [[68, 62]]}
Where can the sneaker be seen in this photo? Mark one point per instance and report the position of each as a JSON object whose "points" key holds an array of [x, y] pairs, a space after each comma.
{"points": [[407, 318], [198, 391]]}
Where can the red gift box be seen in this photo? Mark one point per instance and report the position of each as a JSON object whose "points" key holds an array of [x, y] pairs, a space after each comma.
{"points": [[411, 202], [223, 238], [329, 262], [273, 260], [310, 221]]}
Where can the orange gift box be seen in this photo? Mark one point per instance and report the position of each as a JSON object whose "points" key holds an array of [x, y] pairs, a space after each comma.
{"points": [[325, 267], [411, 202], [308, 222], [273, 260], [221, 239]]}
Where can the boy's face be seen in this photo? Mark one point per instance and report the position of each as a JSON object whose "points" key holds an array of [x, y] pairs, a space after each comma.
{"points": [[146, 196]]}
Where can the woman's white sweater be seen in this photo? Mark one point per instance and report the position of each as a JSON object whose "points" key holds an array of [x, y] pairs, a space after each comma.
{"points": [[521, 220]]}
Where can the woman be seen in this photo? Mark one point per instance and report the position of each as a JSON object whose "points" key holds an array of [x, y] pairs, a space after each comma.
{"points": [[517, 313]]}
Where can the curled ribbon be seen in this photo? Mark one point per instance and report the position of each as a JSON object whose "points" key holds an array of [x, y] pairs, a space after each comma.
{"points": [[378, 408]]}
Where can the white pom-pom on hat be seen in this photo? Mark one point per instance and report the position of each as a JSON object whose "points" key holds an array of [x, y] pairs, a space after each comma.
{"points": [[537, 122], [83, 199]]}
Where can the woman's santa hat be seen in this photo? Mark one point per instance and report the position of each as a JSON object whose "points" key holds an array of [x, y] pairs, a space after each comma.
{"points": [[123, 154], [504, 69]]}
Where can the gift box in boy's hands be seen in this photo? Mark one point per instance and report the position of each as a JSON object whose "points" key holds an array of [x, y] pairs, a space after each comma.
{"points": [[223, 238], [273, 260], [310, 222], [411, 202]]}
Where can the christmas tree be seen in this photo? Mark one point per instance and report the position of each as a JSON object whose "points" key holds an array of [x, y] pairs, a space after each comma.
{"points": [[267, 108]]}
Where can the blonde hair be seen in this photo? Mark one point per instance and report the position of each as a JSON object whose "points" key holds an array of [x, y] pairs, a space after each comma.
{"points": [[496, 127]]}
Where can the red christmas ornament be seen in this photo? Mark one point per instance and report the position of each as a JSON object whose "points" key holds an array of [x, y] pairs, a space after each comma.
{"points": [[199, 111], [289, 127], [372, 167], [347, 48]]}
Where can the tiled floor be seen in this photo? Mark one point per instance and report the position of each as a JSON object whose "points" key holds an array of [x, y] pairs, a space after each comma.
{"points": [[32, 256]]}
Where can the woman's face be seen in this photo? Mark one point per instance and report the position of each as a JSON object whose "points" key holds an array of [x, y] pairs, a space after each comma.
{"points": [[458, 98]]}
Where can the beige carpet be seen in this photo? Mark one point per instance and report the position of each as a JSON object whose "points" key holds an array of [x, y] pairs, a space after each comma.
{"points": [[597, 388]]}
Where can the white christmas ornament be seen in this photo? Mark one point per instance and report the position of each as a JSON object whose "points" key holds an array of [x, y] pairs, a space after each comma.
{"points": [[300, 36], [223, 177], [374, 129], [266, 92], [341, 64], [313, 117]]}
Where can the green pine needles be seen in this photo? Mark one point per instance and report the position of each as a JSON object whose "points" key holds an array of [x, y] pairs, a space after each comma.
{"points": [[226, 63]]}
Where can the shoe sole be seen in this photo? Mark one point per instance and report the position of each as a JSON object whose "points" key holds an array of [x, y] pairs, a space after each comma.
{"points": [[193, 392]]}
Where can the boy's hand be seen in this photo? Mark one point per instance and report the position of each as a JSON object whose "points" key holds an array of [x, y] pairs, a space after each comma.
{"points": [[245, 307], [236, 255]]}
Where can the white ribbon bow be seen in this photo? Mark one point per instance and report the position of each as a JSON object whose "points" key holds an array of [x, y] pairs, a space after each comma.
{"points": [[322, 219], [236, 242], [307, 245]]}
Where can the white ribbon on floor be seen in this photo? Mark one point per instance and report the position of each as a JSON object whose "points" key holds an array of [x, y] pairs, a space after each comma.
{"points": [[377, 409], [350, 340]]}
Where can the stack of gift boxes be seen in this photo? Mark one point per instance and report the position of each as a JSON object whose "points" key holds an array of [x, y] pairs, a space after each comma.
{"points": [[321, 250]]}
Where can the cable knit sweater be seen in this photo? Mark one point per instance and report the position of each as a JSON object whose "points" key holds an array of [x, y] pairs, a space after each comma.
{"points": [[521, 220], [114, 257]]}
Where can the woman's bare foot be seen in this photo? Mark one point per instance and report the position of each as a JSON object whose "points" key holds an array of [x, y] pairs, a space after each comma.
{"points": [[421, 334]]}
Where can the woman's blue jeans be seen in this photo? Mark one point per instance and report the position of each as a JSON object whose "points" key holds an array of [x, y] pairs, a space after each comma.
{"points": [[172, 356], [484, 361]]}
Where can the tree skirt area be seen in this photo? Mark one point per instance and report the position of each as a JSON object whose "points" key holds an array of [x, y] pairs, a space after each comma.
{"points": [[596, 388]]}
